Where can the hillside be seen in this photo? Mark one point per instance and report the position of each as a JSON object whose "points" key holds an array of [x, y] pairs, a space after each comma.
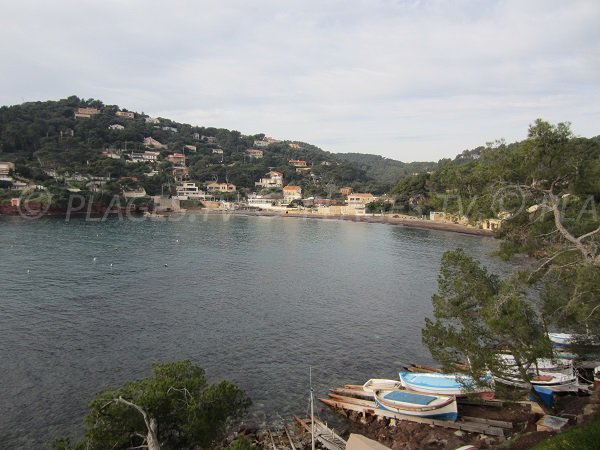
{"points": [[46, 139]]}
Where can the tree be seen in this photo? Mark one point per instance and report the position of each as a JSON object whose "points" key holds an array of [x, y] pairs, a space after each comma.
{"points": [[476, 315], [174, 408]]}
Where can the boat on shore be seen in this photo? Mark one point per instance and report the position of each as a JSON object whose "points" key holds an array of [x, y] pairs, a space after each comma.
{"points": [[416, 404], [375, 384], [454, 384], [553, 365], [548, 379]]}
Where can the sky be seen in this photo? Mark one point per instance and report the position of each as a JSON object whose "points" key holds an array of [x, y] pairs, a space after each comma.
{"points": [[410, 80]]}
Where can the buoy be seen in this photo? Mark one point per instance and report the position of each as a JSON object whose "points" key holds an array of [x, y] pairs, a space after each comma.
{"points": [[27, 270], [166, 265], [177, 241], [94, 258]]}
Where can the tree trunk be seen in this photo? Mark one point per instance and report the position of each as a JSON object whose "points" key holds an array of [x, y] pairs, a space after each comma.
{"points": [[151, 437]]}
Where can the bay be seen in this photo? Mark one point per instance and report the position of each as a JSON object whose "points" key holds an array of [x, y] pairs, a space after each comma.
{"points": [[85, 305]]}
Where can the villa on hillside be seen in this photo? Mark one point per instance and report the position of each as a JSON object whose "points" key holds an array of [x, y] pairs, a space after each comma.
{"points": [[265, 201], [5, 169], [215, 186], [297, 163], [272, 179], [177, 159], [125, 114], [151, 142], [116, 126], [346, 191], [153, 120], [291, 193], [86, 113], [188, 190], [254, 153], [360, 200]]}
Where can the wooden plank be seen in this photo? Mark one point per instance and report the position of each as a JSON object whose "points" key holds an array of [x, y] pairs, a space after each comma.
{"points": [[355, 392], [354, 401], [479, 402], [289, 437], [323, 434], [492, 422]]}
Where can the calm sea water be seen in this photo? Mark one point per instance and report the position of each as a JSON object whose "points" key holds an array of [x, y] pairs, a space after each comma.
{"points": [[257, 300]]}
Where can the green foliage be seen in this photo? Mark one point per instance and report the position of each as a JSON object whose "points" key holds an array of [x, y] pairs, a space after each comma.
{"points": [[584, 437], [378, 206], [189, 412], [241, 444], [476, 314]]}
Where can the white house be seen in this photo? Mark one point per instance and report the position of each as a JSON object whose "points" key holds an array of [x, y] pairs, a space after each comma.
{"points": [[272, 179], [291, 193]]}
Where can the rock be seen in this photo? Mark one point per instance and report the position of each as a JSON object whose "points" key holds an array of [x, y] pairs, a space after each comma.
{"points": [[551, 423], [459, 433], [482, 437]]}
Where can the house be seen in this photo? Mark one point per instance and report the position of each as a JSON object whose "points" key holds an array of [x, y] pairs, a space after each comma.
{"points": [[125, 114], [291, 192], [86, 113], [6, 168], [297, 163], [171, 129], [191, 148], [254, 153], [135, 193], [188, 190], [209, 139], [116, 126], [146, 156], [153, 120], [111, 153], [261, 144], [196, 136], [15, 202], [218, 151], [151, 142], [180, 173], [265, 201], [177, 159], [215, 186], [294, 145], [360, 200], [272, 179], [346, 191]]}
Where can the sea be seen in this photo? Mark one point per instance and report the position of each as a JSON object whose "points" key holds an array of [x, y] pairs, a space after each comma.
{"points": [[262, 301]]}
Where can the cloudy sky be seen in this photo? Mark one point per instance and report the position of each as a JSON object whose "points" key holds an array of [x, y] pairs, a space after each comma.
{"points": [[408, 79]]}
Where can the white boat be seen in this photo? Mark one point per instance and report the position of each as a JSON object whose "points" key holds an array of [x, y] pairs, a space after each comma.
{"points": [[375, 384], [547, 379], [554, 365], [456, 384], [562, 338], [415, 404]]}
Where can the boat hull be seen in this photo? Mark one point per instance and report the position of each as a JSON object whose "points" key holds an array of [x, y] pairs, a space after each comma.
{"points": [[439, 383], [416, 404]]}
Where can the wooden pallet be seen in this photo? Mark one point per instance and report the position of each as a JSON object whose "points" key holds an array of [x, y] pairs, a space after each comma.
{"points": [[323, 434]]}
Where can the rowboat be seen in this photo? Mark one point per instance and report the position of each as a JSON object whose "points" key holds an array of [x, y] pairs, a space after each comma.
{"points": [[554, 365], [456, 384], [415, 404], [547, 379], [375, 384], [560, 339]]}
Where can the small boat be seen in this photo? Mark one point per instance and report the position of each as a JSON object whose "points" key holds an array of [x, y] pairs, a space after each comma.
{"points": [[554, 365], [547, 379], [375, 384], [415, 404], [456, 384], [561, 339]]}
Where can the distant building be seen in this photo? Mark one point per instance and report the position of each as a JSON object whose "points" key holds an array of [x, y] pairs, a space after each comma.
{"points": [[346, 191], [218, 151], [261, 144], [265, 201], [135, 193], [188, 190], [291, 193], [360, 200], [125, 114], [146, 156], [215, 186], [151, 142], [294, 145], [116, 126], [254, 153], [297, 163], [196, 136], [171, 129], [272, 179], [86, 113], [191, 148], [209, 139], [153, 120], [177, 159], [112, 153], [6, 168]]}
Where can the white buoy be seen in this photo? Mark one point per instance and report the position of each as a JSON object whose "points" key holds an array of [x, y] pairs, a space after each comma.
{"points": [[177, 241], [94, 258], [27, 270]]}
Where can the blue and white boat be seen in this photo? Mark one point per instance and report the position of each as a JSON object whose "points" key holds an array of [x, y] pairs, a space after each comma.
{"points": [[415, 404], [560, 339], [455, 384]]}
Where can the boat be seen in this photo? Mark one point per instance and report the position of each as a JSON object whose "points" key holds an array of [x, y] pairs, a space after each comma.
{"points": [[375, 384], [554, 365], [547, 379], [560, 339], [416, 404], [455, 384]]}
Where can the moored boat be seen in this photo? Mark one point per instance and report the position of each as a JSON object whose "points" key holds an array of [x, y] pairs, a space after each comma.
{"points": [[554, 365], [547, 379], [561, 339], [416, 404], [375, 384], [455, 384]]}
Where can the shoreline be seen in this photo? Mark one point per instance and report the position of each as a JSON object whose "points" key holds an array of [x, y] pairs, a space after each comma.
{"points": [[401, 221]]}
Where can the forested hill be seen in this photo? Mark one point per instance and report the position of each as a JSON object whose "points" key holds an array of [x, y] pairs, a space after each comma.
{"points": [[47, 137]]}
